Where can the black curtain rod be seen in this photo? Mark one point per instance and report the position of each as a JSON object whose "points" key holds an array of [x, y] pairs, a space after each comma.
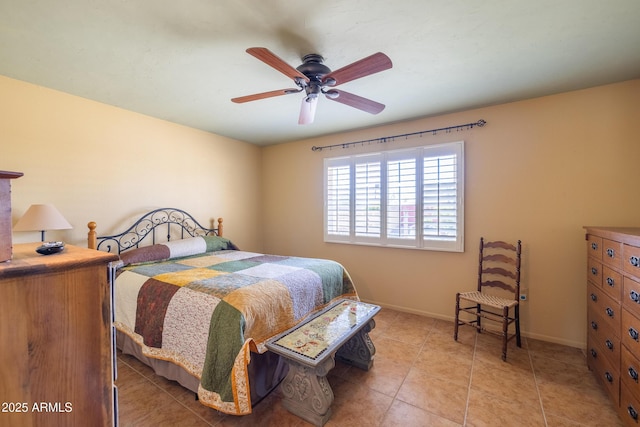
{"points": [[385, 139]]}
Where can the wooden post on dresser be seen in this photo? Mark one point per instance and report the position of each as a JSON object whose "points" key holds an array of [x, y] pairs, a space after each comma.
{"points": [[57, 362], [5, 213]]}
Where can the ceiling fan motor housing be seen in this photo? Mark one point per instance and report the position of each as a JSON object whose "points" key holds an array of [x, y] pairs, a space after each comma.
{"points": [[313, 68]]}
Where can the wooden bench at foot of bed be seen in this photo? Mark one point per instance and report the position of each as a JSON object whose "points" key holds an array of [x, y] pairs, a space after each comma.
{"points": [[341, 330]]}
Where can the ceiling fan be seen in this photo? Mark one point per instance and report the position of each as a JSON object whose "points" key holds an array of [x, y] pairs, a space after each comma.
{"points": [[315, 78]]}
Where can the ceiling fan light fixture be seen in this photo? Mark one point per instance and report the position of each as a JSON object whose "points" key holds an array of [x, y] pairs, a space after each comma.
{"points": [[307, 110]]}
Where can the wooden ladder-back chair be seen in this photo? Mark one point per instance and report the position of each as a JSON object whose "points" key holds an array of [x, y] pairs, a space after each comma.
{"points": [[498, 296]]}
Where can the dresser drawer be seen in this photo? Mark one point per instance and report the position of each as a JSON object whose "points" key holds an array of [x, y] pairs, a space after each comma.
{"points": [[605, 307], [629, 409], [594, 246], [594, 271], [632, 260], [596, 360], [630, 372], [612, 253], [594, 355], [630, 333], [612, 283], [631, 295], [606, 375], [604, 340]]}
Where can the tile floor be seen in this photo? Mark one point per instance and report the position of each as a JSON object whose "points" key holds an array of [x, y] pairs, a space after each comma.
{"points": [[421, 377]]}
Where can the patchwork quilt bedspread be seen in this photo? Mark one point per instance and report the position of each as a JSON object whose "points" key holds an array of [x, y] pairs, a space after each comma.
{"points": [[207, 310]]}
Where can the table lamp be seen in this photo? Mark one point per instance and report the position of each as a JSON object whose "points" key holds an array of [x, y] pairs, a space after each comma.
{"points": [[41, 218]]}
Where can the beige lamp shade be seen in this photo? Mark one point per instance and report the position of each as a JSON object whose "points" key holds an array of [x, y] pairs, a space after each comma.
{"points": [[41, 218]]}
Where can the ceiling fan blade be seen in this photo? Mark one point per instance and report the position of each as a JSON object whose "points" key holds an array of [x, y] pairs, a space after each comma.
{"points": [[263, 95], [364, 67], [307, 110], [272, 60], [354, 101]]}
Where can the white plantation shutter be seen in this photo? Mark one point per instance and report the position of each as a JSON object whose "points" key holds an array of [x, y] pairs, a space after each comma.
{"points": [[367, 199], [338, 206], [439, 198], [410, 198], [401, 198]]}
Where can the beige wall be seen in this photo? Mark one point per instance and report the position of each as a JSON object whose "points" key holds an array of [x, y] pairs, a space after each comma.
{"points": [[101, 163], [538, 171]]}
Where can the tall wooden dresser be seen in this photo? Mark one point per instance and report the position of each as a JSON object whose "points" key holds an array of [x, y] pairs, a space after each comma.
{"points": [[57, 362], [613, 315]]}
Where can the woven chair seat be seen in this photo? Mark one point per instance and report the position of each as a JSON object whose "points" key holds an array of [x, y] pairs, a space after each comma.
{"points": [[490, 300]]}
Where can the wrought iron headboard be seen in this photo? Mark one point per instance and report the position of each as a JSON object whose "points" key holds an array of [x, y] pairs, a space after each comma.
{"points": [[173, 221]]}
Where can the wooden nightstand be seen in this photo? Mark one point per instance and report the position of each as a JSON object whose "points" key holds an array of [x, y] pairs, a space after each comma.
{"points": [[57, 363]]}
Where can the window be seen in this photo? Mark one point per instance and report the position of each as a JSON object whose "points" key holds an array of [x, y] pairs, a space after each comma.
{"points": [[409, 198]]}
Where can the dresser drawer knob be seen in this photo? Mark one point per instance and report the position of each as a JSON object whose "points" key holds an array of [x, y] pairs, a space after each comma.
{"points": [[608, 376], [594, 325], [594, 246], [609, 344], [611, 282], [594, 271], [632, 412], [633, 374], [635, 261], [609, 312], [594, 353], [633, 334], [634, 296], [594, 297], [611, 253]]}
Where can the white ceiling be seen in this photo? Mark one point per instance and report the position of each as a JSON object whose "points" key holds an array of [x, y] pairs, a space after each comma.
{"points": [[184, 60]]}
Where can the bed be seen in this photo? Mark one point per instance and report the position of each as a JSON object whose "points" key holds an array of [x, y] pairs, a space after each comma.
{"points": [[198, 310]]}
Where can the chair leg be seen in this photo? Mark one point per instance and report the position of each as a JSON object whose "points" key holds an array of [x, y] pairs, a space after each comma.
{"points": [[455, 329], [517, 317], [505, 330], [478, 318]]}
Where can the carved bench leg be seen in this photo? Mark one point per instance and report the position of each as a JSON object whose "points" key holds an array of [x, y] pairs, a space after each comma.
{"points": [[359, 350], [307, 392]]}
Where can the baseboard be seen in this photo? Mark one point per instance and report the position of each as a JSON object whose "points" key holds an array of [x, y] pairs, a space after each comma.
{"points": [[569, 343]]}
